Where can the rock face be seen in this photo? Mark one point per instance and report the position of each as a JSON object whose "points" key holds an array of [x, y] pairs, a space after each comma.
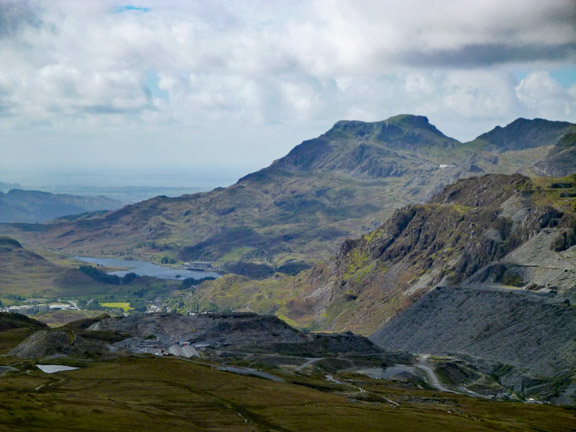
{"points": [[532, 332], [337, 186], [497, 229]]}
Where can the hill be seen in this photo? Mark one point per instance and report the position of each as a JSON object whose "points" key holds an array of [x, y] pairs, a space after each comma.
{"points": [[502, 249], [14, 328], [299, 209], [31, 206]]}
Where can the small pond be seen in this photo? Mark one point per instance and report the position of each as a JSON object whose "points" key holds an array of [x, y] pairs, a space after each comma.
{"points": [[55, 368]]}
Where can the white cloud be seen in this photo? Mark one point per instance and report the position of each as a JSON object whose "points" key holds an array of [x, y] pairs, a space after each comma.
{"points": [[81, 66], [474, 94], [542, 95]]}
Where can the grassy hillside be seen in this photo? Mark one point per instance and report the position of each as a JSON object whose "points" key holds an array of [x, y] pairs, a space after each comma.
{"points": [[14, 328], [165, 394]]}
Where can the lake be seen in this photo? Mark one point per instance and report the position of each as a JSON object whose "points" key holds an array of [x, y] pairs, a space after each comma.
{"points": [[145, 268]]}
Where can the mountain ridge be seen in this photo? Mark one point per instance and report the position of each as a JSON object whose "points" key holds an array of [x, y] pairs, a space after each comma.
{"points": [[18, 205], [300, 208]]}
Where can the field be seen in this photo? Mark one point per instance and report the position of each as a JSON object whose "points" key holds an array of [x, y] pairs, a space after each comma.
{"points": [[125, 306]]}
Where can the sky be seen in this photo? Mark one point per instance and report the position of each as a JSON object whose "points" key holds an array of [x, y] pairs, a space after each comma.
{"points": [[157, 92]]}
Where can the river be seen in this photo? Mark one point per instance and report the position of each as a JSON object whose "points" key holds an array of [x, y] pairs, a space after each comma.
{"points": [[145, 268]]}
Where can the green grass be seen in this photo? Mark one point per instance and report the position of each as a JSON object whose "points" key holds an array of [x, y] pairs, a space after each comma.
{"points": [[156, 394], [236, 254], [166, 394]]}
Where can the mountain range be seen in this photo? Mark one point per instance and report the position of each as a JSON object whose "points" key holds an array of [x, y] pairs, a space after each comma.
{"points": [[299, 209]]}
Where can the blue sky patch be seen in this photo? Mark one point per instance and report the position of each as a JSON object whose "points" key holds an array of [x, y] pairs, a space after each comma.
{"points": [[566, 77], [128, 8], [151, 82]]}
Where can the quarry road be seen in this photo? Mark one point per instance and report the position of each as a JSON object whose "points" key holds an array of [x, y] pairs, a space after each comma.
{"points": [[433, 380], [309, 361]]}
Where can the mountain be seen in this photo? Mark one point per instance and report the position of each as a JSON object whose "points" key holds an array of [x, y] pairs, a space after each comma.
{"points": [[299, 209], [19, 205], [5, 187], [496, 229], [561, 160], [524, 134]]}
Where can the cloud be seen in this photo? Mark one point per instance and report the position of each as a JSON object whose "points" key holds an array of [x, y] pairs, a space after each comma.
{"points": [[15, 16], [286, 70], [477, 55], [542, 95]]}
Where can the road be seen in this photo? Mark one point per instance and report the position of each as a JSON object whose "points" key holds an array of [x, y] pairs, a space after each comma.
{"points": [[433, 379]]}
